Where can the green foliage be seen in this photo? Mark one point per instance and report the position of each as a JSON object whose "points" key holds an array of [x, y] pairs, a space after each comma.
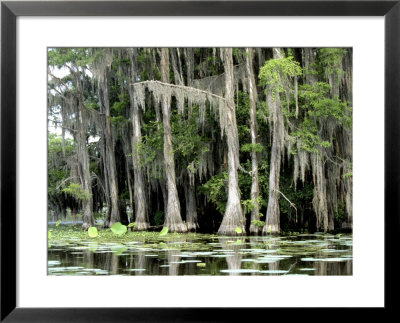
{"points": [[307, 135], [57, 170], [252, 148], [119, 106], [188, 141], [299, 197], [348, 170], [340, 214], [58, 223], [132, 225], [347, 175], [92, 232], [316, 99], [76, 191], [61, 56], [118, 228], [330, 59], [238, 230], [317, 105], [248, 205], [258, 223], [215, 191], [152, 143], [274, 70]]}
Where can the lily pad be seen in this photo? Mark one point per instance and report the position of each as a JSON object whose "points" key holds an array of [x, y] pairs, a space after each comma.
{"points": [[335, 259], [92, 232], [239, 271], [118, 228], [53, 263], [164, 231], [273, 271]]}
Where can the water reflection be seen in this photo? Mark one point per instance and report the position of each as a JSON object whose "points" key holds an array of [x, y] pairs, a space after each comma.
{"points": [[233, 256], [206, 255]]}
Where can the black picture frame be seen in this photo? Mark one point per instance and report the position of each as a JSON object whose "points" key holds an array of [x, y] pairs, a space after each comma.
{"points": [[10, 10]]}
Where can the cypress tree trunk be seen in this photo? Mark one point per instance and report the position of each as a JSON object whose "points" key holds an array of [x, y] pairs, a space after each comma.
{"points": [[191, 209], [106, 183], [110, 156], [255, 212], [173, 220], [142, 219], [272, 223], [233, 217], [83, 159]]}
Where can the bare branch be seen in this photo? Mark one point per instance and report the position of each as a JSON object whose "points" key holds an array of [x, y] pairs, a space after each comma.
{"points": [[291, 204], [183, 87]]}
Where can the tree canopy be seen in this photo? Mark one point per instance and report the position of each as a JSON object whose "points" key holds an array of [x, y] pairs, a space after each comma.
{"points": [[226, 140]]}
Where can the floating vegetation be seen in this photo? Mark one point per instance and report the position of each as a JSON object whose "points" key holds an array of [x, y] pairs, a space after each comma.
{"points": [[273, 272], [239, 271], [73, 252]]}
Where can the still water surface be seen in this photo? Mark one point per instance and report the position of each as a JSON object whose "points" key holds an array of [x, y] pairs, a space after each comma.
{"points": [[309, 254]]}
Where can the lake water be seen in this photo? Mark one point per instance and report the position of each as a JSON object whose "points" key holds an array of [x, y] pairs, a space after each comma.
{"points": [[308, 254]]}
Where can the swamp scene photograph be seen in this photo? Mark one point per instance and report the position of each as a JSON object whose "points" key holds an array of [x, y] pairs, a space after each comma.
{"points": [[199, 161]]}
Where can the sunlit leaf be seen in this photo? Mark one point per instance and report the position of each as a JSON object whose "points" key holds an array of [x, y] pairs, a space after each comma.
{"points": [[238, 230], [58, 223], [92, 232], [164, 231], [118, 228]]}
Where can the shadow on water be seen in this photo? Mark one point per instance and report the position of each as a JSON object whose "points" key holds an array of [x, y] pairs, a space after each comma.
{"points": [[311, 254]]}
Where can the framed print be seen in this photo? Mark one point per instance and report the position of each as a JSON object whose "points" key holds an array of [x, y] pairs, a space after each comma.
{"points": [[197, 159]]}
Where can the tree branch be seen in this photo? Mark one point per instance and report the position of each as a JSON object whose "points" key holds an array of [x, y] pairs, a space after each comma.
{"points": [[291, 204], [183, 87]]}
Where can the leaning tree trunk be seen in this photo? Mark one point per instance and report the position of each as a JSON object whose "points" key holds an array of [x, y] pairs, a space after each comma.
{"points": [[255, 212], [173, 220], [272, 223], [233, 217], [141, 215]]}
